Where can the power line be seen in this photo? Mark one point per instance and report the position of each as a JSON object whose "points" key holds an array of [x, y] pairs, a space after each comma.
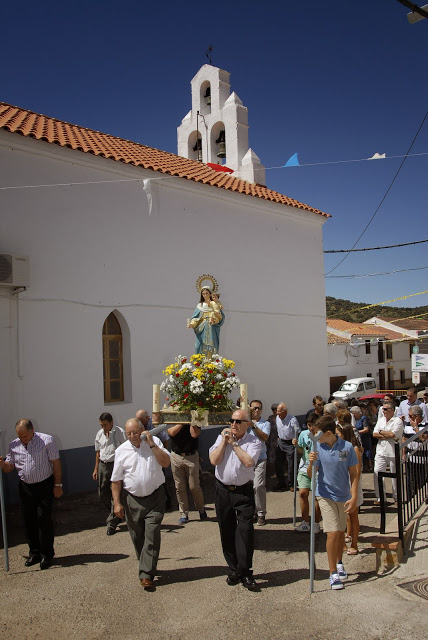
{"points": [[390, 246], [414, 7], [380, 304], [382, 273], [384, 196]]}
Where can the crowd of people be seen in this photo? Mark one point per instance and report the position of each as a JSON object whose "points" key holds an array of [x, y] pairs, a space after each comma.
{"points": [[130, 468]]}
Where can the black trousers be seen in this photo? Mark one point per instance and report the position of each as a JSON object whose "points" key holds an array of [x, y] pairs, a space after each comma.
{"points": [[36, 503], [282, 455], [235, 512], [105, 469]]}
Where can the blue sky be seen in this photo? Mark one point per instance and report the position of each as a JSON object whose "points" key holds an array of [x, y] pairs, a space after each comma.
{"points": [[331, 81]]}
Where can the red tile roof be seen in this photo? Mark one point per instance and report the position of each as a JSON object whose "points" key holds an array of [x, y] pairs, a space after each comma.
{"points": [[411, 324], [52, 130], [356, 329], [332, 338]]}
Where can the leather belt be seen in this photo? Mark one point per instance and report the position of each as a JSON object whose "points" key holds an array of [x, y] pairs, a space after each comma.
{"points": [[287, 441], [234, 487], [192, 453]]}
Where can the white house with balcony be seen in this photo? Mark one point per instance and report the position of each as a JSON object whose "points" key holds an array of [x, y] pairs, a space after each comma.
{"points": [[357, 350]]}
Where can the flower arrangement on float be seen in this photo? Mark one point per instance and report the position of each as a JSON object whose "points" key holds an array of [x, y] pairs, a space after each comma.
{"points": [[202, 382]]}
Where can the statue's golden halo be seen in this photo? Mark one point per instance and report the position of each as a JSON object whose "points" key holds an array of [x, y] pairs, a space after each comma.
{"points": [[207, 282]]}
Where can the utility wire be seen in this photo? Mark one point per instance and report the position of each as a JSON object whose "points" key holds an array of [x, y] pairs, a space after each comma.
{"points": [[382, 273], [383, 198], [390, 246], [414, 7]]}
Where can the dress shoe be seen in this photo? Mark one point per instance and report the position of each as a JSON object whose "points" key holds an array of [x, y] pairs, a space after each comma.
{"points": [[249, 583], [147, 583], [45, 563], [111, 531], [233, 579], [32, 560]]}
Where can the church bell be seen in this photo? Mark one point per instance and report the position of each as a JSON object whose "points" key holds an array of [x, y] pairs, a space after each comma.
{"points": [[198, 149], [221, 141]]}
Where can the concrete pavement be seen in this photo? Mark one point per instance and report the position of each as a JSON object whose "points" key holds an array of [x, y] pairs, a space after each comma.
{"points": [[92, 591]]}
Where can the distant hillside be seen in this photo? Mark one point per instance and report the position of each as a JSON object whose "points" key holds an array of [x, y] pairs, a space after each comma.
{"points": [[347, 310]]}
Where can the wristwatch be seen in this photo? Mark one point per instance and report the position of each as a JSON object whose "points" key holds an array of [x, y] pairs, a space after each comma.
{"points": [[235, 444]]}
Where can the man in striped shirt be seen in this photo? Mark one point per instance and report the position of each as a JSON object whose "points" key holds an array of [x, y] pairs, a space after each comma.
{"points": [[36, 458]]}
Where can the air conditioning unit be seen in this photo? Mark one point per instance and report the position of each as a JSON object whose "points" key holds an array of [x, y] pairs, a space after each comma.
{"points": [[14, 271]]}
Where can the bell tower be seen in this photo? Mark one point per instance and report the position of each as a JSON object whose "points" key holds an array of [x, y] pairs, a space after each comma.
{"points": [[216, 129]]}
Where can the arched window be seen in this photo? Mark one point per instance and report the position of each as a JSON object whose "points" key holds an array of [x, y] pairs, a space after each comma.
{"points": [[112, 360]]}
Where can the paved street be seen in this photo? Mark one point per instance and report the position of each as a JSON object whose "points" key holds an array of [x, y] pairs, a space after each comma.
{"points": [[93, 590]]}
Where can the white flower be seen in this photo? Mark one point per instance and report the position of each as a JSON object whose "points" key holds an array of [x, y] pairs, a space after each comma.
{"points": [[196, 386], [219, 376]]}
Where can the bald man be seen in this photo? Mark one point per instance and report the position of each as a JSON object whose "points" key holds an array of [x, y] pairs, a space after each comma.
{"points": [[288, 432], [36, 458], [235, 454], [144, 417], [137, 471]]}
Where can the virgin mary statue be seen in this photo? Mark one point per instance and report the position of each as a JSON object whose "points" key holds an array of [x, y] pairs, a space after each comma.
{"points": [[206, 323]]}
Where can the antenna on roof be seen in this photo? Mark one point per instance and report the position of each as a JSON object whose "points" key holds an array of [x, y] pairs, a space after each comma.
{"points": [[208, 53]]}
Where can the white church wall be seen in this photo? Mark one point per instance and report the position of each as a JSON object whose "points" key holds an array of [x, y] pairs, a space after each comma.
{"points": [[95, 248]]}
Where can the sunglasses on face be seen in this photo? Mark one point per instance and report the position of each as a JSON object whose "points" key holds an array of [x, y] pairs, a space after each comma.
{"points": [[238, 421]]}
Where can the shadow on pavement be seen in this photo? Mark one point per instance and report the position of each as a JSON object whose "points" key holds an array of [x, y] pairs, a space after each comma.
{"points": [[189, 574], [88, 558]]}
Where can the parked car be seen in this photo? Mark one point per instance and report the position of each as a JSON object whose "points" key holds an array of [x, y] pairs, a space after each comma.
{"points": [[373, 396], [379, 397], [355, 388]]}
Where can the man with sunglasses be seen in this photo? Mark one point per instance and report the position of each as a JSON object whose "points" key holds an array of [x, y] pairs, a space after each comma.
{"points": [[388, 430], [234, 455]]}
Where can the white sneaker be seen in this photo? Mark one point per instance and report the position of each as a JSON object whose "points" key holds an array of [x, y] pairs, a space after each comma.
{"points": [[317, 527], [341, 572], [303, 527], [335, 582]]}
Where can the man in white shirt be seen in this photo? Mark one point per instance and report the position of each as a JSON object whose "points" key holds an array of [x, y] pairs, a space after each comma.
{"points": [[107, 440], [412, 400], [388, 431], [138, 471], [288, 432], [261, 429]]}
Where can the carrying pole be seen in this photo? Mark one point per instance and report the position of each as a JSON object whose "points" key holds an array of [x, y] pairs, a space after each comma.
{"points": [[295, 486], [3, 523], [314, 439]]}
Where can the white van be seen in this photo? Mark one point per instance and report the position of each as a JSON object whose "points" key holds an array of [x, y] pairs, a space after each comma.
{"points": [[355, 388]]}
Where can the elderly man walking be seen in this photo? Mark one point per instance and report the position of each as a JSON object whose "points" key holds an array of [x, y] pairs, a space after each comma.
{"points": [[107, 440], [36, 458], [388, 431], [234, 455], [138, 470], [288, 432]]}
